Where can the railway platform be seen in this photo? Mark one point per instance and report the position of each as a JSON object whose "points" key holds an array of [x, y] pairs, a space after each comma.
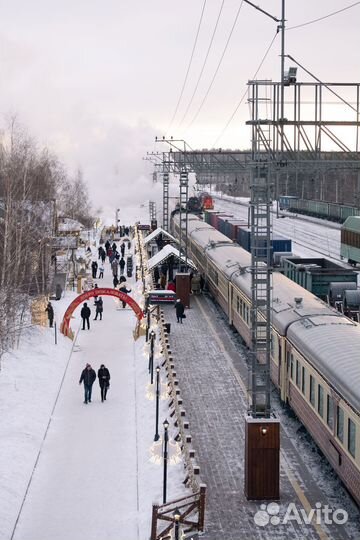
{"points": [[211, 366]]}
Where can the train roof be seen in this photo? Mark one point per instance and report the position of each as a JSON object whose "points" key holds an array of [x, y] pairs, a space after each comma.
{"points": [[332, 345]]}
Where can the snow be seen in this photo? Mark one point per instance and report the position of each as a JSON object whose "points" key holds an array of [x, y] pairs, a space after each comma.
{"points": [[166, 252], [74, 471]]}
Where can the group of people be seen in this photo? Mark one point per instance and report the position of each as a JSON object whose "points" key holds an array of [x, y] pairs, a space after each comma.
{"points": [[94, 269], [88, 377]]}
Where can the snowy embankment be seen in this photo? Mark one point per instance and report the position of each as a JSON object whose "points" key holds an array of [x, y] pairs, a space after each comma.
{"points": [[76, 471]]}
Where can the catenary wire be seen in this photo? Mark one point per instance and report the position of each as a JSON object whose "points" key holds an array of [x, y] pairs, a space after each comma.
{"points": [[204, 63], [244, 94], [218, 66], [188, 68], [324, 17]]}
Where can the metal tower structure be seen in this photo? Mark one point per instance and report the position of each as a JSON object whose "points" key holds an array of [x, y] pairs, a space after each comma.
{"points": [[166, 201], [184, 195]]}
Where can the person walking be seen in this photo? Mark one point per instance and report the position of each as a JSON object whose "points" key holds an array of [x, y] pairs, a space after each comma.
{"points": [[123, 288], [107, 245], [50, 314], [99, 252], [122, 249], [88, 377], [94, 267], [122, 265], [85, 315], [179, 307], [115, 267], [99, 308], [101, 270], [115, 282], [104, 381], [103, 255]]}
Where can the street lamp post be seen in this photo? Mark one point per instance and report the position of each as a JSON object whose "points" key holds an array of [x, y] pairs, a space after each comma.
{"points": [[157, 436], [151, 356], [165, 458], [177, 516]]}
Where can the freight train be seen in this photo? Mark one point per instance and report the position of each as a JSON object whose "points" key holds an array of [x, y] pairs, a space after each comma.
{"points": [[315, 349], [320, 209]]}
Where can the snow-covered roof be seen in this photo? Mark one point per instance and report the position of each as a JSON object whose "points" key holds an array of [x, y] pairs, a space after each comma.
{"points": [[164, 254], [69, 225], [157, 233]]}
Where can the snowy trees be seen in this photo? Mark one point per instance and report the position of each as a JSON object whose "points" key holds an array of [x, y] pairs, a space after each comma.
{"points": [[33, 186]]}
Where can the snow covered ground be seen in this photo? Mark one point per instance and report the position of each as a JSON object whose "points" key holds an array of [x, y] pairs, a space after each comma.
{"points": [[74, 471]]}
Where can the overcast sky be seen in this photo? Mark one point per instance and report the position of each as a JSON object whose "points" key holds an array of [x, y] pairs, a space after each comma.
{"points": [[97, 80]]}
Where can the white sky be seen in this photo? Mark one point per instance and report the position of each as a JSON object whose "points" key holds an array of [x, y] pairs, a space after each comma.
{"points": [[96, 81]]}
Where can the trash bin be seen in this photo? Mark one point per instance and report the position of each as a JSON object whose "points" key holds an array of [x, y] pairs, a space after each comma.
{"points": [[167, 327]]}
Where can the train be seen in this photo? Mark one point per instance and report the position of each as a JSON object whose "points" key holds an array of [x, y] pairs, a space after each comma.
{"points": [[197, 204], [319, 209], [315, 348], [350, 240]]}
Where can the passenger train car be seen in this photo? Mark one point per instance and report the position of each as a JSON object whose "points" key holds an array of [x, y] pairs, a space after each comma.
{"points": [[315, 353]]}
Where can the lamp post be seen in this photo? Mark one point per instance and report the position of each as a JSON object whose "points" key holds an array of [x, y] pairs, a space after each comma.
{"points": [[177, 516], [165, 457], [151, 356], [157, 436]]}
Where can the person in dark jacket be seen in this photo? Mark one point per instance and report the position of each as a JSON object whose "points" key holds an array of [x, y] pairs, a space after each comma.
{"points": [[100, 251], [103, 255], [123, 288], [99, 308], [179, 307], [94, 267], [50, 314], [88, 377], [85, 315], [114, 246], [104, 381], [122, 249], [107, 245], [115, 282], [122, 265]]}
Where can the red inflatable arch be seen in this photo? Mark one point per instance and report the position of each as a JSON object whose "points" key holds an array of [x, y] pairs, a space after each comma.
{"points": [[65, 325]]}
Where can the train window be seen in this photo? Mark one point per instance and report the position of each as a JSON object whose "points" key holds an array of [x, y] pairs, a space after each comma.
{"points": [[312, 391], [330, 412], [291, 367], [320, 400], [237, 304], [303, 378], [351, 437], [340, 423], [298, 367]]}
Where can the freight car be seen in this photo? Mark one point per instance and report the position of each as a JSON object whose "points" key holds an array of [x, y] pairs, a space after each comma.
{"points": [[350, 240], [320, 209], [314, 353]]}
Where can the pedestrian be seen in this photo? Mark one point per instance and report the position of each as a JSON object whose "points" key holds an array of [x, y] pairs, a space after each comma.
{"points": [[88, 377], [110, 254], [114, 246], [50, 314], [103, 255], [129, 244], [122, 249], [85, 315], [123, 288], [99, 252], [115, 267], [171, 286], [122, 265], [95, 287], [107, 245], [99, 308], [101, 270], [179, 306], [94, 267], [104, 381], [115, 282]]}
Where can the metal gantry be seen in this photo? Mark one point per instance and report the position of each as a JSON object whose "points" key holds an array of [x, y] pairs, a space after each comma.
{"points": [[184, 195], [166, 201]]}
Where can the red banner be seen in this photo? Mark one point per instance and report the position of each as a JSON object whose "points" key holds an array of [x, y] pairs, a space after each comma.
{"points": [[65, 325]]}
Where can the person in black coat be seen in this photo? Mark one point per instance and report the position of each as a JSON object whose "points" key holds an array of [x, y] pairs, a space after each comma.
{"points": [[179, 307], [107, 245], [88, 377], [85, 315], [99, 308], [122, 249], [104, 381], [50, 314], [122, 265], [94, 267], [125, 290]]}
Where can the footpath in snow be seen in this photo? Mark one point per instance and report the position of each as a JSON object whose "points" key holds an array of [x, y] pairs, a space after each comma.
{"points": [[93, 478]]}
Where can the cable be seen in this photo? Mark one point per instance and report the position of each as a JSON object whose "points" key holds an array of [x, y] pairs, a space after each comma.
{"points": [[188, 69], [204, 64], [244, 94], [218, 66], [324, 17]]}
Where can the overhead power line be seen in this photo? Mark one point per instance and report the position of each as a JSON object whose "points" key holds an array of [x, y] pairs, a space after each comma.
{"points": [[188, 69], [245, 93], [324, 17], [204, 63], [218, 66]]}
